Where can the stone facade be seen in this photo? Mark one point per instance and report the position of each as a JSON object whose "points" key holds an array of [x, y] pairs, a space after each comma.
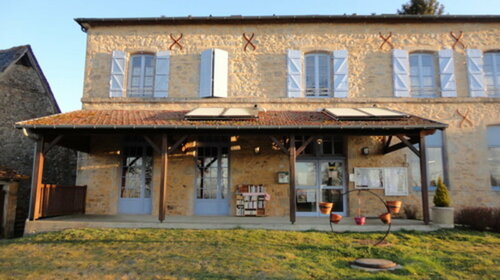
{"points": [[259, 77]]}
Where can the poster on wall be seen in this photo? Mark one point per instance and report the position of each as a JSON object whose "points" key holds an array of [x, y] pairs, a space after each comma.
{"points": [[394, 180], [369, 178]]}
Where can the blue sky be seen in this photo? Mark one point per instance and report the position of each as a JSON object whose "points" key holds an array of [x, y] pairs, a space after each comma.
{"points": [[59, 45]]}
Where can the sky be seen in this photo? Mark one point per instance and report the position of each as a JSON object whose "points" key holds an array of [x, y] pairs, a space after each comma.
{"points": [[59, 44]]}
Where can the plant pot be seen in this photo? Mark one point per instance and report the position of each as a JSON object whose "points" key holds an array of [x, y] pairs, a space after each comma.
{"points": [[385, 218], [394, 205], [325, 207], [442, 216], [335, 218], [360, 220]]}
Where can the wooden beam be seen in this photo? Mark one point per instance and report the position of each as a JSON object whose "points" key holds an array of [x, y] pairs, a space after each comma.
{"points": [[423, 178], [177, 144], [279, 144], [400, 145], [36, 180], [304, 145], [163, 178], [292, 157], [408, 144], [52, 144], [152, 144], [387, 143]]}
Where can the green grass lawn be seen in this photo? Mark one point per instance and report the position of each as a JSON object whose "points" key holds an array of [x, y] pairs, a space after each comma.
{"points": [[245, 254]]}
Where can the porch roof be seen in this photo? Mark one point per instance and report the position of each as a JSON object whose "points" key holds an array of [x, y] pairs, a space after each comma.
{"points": [[158, 119]]}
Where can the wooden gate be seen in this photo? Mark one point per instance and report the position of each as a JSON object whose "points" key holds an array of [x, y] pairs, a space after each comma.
{"points": [[62, 200]]}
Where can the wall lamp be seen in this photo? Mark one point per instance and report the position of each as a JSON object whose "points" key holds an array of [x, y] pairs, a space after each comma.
{"points": [[365, 151]]}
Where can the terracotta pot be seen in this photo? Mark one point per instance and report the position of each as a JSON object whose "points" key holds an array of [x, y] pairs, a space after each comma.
{"points": [[394, 205], [335, 218], [325, 207], [360, 220], [385, 218]]}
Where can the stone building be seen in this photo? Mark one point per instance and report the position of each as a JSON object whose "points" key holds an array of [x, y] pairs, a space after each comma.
{"points": [[25, 94], [180, 113]]}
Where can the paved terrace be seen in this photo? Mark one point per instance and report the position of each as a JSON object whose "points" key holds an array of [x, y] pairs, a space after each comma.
{"points": [[205, 222]]}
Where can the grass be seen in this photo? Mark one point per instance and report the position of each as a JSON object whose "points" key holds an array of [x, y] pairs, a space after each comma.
{"points": [[245, 254]]}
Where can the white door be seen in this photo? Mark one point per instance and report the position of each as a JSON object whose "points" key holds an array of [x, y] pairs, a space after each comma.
{"points": [[212, 180], [320, 181], [135, 188]]}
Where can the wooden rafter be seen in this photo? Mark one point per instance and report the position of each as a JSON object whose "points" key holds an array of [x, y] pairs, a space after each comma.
{"points": [[177, 144], [152, 144], [405, 143], [408, 144], [279, 144], [52, 144], [304, 145]]}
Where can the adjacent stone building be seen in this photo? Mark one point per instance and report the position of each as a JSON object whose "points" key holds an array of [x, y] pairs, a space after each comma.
{"points": [[179, 113], [25, 94]]}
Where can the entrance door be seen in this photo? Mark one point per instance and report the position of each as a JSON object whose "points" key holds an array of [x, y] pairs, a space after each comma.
{"points": [[212, 180], [135, 190], [320, 181]]}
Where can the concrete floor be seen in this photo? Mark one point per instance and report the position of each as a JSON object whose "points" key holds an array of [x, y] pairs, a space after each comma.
{"points": [[210, 222]]}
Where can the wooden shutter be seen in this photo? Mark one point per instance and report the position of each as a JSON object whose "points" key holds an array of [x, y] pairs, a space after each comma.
{"points": [[206, 73], [477, 85], [117, 75], [220, 68], [401, 73], [447, 73], [162, 72], [295, 60], [340, 73]]}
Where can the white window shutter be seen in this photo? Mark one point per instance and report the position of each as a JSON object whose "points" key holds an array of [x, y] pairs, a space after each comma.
{"points": [[401, 73], [117, 75], [477, 85], [340, 73], [206, 73], [447, 73], [162, 72], [295, 60], [220, 74]]}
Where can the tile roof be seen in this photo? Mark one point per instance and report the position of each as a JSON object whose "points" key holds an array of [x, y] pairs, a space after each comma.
{"points": [[99, 119]]}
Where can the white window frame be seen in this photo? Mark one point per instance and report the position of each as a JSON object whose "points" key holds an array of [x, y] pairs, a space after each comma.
{"points": [[317, 91], [419, 90], [495, 90], [141, 90]]}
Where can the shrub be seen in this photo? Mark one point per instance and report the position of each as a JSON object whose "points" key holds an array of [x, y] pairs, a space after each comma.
{"points": [[441, 197], [479, 218], [410, 211]]}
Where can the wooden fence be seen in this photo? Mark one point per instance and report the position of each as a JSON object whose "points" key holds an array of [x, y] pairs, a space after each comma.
{"points": [[62, 200]]}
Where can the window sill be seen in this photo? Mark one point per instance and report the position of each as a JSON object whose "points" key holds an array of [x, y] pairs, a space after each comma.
{"points": [[419, 189], [496, 188]]}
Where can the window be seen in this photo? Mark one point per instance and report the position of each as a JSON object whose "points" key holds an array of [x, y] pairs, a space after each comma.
{"points": [[422, 75], [141, 75], [493, 136], [435, 167], [492, 73], [323, 146], [318, 74]]}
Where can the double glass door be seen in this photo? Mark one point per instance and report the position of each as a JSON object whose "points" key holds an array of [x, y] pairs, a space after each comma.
{"points": [[320, 181]]}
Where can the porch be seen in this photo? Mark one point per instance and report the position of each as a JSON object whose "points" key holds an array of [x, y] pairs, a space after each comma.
{"points": [[212, 222]]}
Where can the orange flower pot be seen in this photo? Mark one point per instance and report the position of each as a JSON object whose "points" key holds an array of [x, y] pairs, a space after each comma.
{"points": [[394, 205], [385, 218], [325, 207], [335, 218]]}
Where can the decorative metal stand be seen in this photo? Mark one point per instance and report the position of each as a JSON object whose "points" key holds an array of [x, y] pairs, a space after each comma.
{"points": [[386, 206]]}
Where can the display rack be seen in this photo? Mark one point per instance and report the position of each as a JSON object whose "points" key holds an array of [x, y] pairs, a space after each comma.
{"points": [[251, 200]]}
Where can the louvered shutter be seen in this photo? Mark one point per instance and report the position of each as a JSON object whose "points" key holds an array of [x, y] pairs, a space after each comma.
{"points": [[117, 75], [340, 73], [447, 73], [206, 73], [162, 72], [295, 59], [401, 73], [477, 85], [221, 60]]}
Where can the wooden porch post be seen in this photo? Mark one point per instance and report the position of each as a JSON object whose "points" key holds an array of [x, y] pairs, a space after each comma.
{"points": [[293, 157], [423, 177], [36, 180], [163, 181]]}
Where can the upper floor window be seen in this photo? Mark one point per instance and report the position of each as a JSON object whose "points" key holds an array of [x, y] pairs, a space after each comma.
{"points": [[318, 68], [141, 75], [422, 75], [492, 73], [493, 136]]}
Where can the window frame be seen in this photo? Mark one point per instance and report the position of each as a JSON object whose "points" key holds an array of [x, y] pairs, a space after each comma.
{"points": [[140, 91], [316, 91], [495, 54], [428, 92]]}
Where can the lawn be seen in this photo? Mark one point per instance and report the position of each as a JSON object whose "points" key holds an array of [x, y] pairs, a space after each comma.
{"points": [[245, 254]]}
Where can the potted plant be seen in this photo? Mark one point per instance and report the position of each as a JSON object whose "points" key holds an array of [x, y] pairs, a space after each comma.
{"points": [[386, 218], [394, 205], [442, 213], [325, 207], [335, 218]]}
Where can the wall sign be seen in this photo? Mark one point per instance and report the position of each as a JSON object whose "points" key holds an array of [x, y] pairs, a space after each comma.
{"points": [[283, 177]]}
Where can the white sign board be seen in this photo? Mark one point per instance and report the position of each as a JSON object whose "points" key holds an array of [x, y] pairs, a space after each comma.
{"points": [[394, 180]]}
